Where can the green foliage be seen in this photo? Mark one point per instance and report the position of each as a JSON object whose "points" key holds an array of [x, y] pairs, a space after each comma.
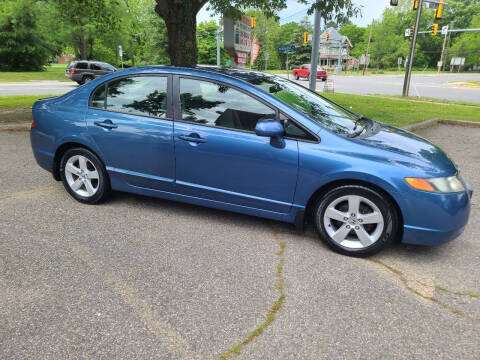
{"points": [[468, 44], [22, 45]]}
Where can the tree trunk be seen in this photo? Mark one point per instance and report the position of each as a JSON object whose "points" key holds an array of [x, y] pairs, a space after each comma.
{"points": [[180, 18], [83, 48], [132, 55]]}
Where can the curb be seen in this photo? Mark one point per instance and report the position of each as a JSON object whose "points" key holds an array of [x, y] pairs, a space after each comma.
{"points": [[15, 127], [433, 122]]}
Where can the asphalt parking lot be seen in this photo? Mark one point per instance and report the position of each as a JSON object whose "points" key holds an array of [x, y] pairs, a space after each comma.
{"points": [[145, 278]]}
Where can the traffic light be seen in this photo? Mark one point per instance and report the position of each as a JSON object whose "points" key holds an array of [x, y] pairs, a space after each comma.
{"points": [[393, 2], [253, 22], [305, 37], [327, 36], [439, 12], [412, 31], [435, 30], [415, 4]]}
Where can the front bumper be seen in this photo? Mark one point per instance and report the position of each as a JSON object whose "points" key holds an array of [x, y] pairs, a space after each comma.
{"points": [[434, 219]]}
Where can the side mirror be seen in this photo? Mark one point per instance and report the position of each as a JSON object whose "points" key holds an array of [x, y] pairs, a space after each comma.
{"points": [[272, 129]]}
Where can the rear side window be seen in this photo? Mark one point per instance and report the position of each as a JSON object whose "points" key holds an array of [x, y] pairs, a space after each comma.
{"points": [[81, 65], [138, 95], [98, 98]]}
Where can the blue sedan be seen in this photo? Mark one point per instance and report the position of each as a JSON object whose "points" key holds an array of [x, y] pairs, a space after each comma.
{"points": [[255, 144]]}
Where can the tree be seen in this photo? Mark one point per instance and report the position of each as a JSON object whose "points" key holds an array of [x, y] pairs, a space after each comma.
{"points": [[180, 19], [468, 44], [22, 45], [87, 18]]}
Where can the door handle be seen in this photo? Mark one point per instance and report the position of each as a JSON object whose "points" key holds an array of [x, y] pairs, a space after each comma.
{"points": [[192, 138], [106, 124]]}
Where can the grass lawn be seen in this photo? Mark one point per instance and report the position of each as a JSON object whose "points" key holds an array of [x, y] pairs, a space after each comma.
{"points": [[23, 101], [52, 72], [399, 112], [390, 110]]}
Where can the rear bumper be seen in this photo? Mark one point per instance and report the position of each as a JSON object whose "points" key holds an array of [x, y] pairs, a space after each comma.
{"points": [[435, 219], [43, 158]]}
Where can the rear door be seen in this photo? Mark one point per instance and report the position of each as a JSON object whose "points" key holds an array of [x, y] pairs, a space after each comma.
{"points": [[130, 120], [218, 155]]}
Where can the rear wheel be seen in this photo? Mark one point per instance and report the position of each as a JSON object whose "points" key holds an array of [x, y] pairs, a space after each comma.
{"points": [[84, 176], [296, 76], [87, 79], [355, 220]]}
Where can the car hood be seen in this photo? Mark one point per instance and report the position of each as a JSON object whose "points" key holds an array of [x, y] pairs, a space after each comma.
{"points": [[410, 150]]}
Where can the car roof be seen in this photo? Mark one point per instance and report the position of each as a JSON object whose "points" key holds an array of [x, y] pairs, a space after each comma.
{"points": [[238, 74]]}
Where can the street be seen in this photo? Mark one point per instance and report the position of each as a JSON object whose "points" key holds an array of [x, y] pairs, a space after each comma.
{"points": [[45, 87], [444, 86], [139, 277], [432, 85]]}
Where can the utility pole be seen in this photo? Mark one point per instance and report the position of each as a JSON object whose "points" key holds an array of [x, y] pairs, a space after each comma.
{"points": [[443, 52], [218, 47], [408, 74], [368, 48], [448, 47], [315, 49]]}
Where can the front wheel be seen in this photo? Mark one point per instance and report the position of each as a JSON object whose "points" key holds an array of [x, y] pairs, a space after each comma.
{"points": [[84, 176], [355, 220]]}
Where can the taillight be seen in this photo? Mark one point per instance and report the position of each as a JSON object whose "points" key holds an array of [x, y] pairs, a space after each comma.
{"points": [[33, 124], [73, 71]]}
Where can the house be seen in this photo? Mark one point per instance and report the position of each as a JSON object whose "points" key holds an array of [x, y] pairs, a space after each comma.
{"points": [[331, 44]]}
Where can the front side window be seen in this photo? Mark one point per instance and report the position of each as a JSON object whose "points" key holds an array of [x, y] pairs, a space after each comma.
{"points": [[95, 66], [219, 105], [107, 67], [138, 95]]}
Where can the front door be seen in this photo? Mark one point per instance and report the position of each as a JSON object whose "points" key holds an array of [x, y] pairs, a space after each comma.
{"points": [[218, 155], [130, 123]]}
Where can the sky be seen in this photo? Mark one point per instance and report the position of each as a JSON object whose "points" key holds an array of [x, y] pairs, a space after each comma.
{"points": [[296, 12]]}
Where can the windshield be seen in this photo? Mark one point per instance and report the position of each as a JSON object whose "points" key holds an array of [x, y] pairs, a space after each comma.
{"points": [[320, 110]]}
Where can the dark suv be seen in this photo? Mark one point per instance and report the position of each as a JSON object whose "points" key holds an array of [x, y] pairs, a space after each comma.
{"points": [[83, 71]]}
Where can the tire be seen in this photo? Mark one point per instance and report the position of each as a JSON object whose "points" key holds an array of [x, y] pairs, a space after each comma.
{"points": [[345, 229], [296, 76], [87, 79], [84, 176], [324, 79]]}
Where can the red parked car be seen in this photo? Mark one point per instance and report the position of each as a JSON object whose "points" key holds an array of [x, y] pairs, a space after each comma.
{"points": [[304, 72]]}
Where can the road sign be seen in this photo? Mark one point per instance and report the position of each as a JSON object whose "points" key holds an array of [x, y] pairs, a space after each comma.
{"points": [[445, 30], [362, 60], [440, 64], [120, 51], [408, 32], [287, 48], [267, 56], [400, 60]]}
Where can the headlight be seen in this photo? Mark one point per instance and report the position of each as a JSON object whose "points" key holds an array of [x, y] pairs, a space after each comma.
{"points": [[439, 185]]}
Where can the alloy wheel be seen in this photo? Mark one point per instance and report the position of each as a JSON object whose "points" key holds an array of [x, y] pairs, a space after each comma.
{"points": [[82, 176], [353, 222]]}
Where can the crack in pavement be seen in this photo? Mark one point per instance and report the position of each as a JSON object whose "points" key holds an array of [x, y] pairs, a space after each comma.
{"points": [[236, 349], [150, 318], [410, 285]]}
